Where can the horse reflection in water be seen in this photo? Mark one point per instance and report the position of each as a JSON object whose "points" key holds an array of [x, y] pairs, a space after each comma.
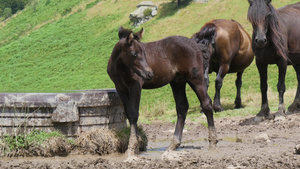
{"points": [[231, 53], [175, 60]]}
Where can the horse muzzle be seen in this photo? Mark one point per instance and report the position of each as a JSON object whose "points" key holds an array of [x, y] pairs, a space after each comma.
{"points": [[261, 42], [149, 76]]}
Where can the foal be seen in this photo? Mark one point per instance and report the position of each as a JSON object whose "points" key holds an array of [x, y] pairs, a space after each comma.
{"points": [[175, 60]]}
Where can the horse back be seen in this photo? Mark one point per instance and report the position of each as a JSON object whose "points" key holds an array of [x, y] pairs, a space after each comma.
{"points": [[172, 58], [290, 18]]}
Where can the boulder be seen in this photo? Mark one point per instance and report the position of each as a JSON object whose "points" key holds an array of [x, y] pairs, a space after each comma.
{"points": [[137, 17]]}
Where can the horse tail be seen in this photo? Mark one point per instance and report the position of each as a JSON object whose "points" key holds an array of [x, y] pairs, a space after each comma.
{"points": [[206, 35]]}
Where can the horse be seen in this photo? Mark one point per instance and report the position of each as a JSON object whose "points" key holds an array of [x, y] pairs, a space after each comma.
{"points": [[231, 53], [275, 40], [175, 60]]}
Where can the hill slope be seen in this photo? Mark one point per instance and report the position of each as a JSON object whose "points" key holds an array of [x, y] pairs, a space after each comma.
{"points": [[55, 45]]}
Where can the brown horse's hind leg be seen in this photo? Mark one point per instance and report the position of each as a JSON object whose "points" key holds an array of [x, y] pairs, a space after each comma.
{"points": [[198, 86], [238, 84], [218, 85], [182, 107], [295, 106]]}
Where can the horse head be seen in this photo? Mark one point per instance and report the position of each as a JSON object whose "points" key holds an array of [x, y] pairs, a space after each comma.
{"points": [[134, 56], [260, 14]]}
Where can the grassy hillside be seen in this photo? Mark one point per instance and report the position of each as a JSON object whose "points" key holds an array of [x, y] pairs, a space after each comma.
{"points": [[56, 45]]}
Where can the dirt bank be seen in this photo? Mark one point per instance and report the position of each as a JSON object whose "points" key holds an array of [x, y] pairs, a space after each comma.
{"points": [[243, 144]]}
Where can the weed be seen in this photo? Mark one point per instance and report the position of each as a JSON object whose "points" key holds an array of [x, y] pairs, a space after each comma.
{"points": [[66, 11], [92, 4], [147, 12]]}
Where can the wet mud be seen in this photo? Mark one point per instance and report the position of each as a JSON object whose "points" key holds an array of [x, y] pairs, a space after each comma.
{"points": [[243, 143]]}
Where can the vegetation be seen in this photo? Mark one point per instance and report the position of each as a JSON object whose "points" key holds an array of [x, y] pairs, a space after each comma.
{"points": [[10, 7], [25, 141], [147, 12], [35, 143], [55, 45]]}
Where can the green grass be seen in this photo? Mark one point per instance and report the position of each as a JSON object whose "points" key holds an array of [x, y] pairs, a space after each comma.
{"points": [[24, 141], [56, 45]]}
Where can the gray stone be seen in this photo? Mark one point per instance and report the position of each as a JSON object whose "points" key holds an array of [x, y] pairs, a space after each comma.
{"points": [[137, 17], [70, 112], [297, 149], [262, 138], [147, 4]]}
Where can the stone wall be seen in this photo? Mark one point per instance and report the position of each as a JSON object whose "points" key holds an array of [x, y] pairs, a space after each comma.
{"points": [[71, 113]]}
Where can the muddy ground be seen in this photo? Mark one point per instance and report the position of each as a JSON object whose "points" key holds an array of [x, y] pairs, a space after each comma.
{"points": [[243, 144]]}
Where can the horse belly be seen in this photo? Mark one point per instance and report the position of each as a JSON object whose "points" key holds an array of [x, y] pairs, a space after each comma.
{"points": [[158, 81], [240, 62]]}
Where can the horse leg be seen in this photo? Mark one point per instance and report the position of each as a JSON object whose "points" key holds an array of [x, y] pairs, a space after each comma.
{"points": [[296, 104], [263, 73], [198, 85], [182, 107], [131, 101], [238, 84], [218, 85], [282, 66], [206, 78]]}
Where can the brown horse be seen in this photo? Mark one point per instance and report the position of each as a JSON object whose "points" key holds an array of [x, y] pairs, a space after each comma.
{"points": [[177, 60], [231, 53], [275, 40]]}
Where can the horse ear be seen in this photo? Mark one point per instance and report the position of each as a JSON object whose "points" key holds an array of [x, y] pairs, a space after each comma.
{"points": [[250, 2], [129, 38], [121, 32], [140, 33]]}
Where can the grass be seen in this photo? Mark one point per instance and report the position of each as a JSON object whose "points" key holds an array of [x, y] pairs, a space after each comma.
{"points": [[26, 140], [55, 45]]}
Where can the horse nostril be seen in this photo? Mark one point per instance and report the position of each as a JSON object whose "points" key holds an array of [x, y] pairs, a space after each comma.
{"points": [[149, 75], [265, 40]]}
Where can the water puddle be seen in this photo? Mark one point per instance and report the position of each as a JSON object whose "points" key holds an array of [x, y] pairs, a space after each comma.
{"points": [[232, 139]]}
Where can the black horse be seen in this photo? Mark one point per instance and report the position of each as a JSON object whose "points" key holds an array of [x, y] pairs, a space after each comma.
{"points": [[177, 60], [275, 40]]}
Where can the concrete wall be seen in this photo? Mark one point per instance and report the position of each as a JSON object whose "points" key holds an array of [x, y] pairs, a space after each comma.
{"points": [[71, 113]]}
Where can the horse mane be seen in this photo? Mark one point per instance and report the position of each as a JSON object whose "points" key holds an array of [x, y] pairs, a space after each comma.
{"points": [[206, 34], [257, 15], [123, 33]]}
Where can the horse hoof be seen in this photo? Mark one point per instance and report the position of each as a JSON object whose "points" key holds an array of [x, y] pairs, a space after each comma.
{"points": [[239, 107], [259, 118], [279, 116], [218, 109]]}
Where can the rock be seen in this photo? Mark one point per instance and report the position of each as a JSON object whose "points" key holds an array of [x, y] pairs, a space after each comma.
{"points": [[147, 4], [263, 137], [138, 17], [297, 149]]}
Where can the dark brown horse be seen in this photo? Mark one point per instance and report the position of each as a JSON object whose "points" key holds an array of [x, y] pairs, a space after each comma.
{"points": [[231, 53], [275, 40], [177, 60]]}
